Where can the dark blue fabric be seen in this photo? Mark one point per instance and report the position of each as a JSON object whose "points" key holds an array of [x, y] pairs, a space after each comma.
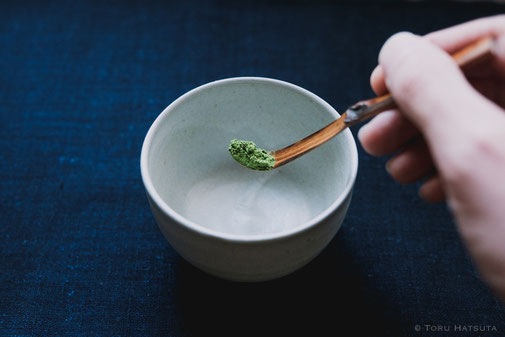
{"points": [[80, 254]]}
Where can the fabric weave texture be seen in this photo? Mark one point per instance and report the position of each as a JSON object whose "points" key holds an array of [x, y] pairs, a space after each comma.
{"points": [[80, 253]]}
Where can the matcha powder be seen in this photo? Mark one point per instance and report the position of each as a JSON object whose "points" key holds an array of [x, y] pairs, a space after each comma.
{"points": [[249, 155]]}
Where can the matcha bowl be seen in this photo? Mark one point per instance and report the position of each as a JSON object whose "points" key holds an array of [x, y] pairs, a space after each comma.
{"points": [[231, 221]]}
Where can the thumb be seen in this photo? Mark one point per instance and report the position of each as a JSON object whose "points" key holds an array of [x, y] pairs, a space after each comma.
{"points": [[425, 82]]}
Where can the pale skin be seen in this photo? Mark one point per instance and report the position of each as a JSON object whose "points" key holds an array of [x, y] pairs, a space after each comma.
{"points": [[449, 131]]}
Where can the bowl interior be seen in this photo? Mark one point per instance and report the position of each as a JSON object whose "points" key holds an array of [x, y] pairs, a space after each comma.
{"points": [[195, 176]]}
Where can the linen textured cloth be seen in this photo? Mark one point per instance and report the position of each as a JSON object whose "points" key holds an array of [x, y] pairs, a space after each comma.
{"points": [[80, 253]]}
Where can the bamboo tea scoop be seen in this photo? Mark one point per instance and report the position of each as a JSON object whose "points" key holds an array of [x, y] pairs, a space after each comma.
{"points": [[474, 53]]}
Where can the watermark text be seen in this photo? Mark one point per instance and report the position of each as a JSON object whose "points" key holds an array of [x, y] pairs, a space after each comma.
{"points": [[455, 328]]}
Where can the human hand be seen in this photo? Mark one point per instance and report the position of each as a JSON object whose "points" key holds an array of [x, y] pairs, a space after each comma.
{"points": [[450, 130]]}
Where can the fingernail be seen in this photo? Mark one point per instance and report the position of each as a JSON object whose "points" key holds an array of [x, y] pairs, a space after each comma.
{"points": [[362, 133], [375, 73], [388, 167], [422, 192]]}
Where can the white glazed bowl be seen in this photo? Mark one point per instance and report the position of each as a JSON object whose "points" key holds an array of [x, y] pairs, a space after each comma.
{"points": [[233, 222]]}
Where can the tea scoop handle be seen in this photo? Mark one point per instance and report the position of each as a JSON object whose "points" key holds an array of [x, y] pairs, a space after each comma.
{"points": [[475, 53]]}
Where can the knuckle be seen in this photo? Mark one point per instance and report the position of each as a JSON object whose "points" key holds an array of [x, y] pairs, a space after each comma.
{"points": [[473, 159], [457, 173]]}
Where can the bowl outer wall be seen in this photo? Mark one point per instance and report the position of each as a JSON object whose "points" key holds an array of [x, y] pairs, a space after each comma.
{"points": [[250, 261]]}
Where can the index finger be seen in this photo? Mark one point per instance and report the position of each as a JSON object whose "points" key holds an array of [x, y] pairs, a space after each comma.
{"points": [[454, 38]]}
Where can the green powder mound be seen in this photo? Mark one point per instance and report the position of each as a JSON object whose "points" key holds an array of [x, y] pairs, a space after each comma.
{"points": [[249, 155]]}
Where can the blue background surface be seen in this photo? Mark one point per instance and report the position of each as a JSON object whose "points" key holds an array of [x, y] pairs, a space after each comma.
{"points": [[80, 254]]}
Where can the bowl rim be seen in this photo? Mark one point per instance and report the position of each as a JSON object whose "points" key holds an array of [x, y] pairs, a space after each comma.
{"points": [[243, 238]]}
